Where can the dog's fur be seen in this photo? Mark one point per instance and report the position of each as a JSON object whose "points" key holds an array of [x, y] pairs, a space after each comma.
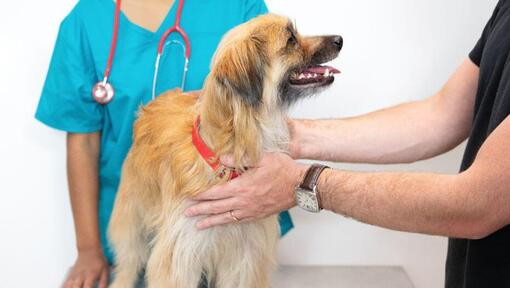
{"points": [[242, 109]]}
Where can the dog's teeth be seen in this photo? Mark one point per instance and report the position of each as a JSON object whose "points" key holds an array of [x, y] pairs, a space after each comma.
{"points": [[308, 76], [301, 76], [314, 75], [326, 73]]}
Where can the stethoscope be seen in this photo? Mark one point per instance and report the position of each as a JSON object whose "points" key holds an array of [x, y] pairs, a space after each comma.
{"points": [[103, 91]]}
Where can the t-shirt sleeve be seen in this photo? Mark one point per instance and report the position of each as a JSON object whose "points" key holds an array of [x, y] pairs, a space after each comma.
{"points": [[66, 102], [476, 54], [254, 8]]}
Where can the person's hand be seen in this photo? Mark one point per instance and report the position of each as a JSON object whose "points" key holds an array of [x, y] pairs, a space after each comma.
{"points": [[90, 268], [261, 191]]}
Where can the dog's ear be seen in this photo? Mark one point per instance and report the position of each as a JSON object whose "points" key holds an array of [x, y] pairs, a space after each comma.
{"points": [[241, 68]]}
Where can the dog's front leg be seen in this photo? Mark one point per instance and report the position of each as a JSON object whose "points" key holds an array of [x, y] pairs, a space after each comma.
{"points": [[174, 261], [128, 234], [246, 262]]}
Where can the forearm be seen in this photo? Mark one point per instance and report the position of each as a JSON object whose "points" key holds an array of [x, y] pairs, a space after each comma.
{"points": [[83, 179], [448, 205], [400, 134], [404, 133], [472, 204], [385, 136]]}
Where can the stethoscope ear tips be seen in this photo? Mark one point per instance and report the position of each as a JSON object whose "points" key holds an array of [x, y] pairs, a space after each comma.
{"points": [[103, 92]]}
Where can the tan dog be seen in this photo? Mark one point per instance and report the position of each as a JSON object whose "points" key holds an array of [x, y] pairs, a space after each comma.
{"points": [[259, 69]]}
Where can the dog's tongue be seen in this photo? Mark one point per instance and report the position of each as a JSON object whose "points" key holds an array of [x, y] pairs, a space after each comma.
{"points": [[321, 69]]}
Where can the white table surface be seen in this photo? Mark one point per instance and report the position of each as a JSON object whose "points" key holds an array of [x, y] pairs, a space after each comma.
{"points": [[341, 276]]}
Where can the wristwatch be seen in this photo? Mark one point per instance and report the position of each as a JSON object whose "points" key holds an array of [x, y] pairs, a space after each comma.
{"points": [[307, 196]]}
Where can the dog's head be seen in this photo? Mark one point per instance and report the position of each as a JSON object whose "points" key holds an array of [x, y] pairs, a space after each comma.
{"points": [[267, 63], [260, 68]]}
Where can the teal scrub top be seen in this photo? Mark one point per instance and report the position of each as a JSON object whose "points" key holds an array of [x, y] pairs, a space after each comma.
{"points": [[79, 59]]}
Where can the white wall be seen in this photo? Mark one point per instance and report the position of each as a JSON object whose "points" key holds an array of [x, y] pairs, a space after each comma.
{"points": [[395, 51]]}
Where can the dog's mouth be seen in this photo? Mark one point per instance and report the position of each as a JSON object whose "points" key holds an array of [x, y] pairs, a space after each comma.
{"points": [[316, 75]]}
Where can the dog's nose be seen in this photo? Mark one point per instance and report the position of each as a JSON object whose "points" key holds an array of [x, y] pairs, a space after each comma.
{"points": [[338, 41]]}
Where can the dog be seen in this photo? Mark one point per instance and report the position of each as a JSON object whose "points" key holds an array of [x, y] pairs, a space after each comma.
{"points": [[259, 70]]}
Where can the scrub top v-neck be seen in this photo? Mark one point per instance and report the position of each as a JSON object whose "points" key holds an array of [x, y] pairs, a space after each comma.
{"points": [[126, 19], [79, 59]]}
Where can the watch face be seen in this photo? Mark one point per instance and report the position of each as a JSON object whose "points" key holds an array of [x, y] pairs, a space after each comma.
{"points": [[307, 200]]}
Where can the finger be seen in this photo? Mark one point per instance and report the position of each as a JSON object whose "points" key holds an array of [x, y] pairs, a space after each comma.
{"points": [[77, 282], [90, 280], [215, 220], [212, 207], [217, 192], [68, 283], [224, 219], [103, 281]]}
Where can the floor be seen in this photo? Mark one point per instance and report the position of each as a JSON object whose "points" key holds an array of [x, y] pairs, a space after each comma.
{"points": [[340, 277]]}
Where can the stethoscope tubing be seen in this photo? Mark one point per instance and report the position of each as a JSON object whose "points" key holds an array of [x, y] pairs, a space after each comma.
{"points": [[156, 67], [113, 46], [103, 91], [176, 28]]}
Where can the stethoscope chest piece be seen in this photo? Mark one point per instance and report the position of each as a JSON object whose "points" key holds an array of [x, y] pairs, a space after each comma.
{"points": [[103, 92]]}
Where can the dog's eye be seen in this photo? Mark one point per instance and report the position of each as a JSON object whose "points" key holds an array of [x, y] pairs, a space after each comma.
{"points": [[292, 40]]}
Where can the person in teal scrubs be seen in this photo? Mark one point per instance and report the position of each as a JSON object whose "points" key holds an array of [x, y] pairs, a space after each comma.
{"points": [[78, 62]]}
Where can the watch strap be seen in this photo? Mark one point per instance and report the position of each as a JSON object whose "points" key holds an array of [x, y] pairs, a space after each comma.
{"points": [[312, 176]]}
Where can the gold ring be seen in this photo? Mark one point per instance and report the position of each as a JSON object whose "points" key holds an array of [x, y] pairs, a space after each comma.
{"points": [[233, 216]]}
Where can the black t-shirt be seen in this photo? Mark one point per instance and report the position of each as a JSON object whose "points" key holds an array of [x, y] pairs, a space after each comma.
{"points": [[485, 263]]}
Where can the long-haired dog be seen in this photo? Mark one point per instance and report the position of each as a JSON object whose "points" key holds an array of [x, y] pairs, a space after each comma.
{"points": [[258, 71]]}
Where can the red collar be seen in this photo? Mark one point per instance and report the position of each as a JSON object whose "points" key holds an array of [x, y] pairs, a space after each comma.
{"points": [[208, 155]]}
